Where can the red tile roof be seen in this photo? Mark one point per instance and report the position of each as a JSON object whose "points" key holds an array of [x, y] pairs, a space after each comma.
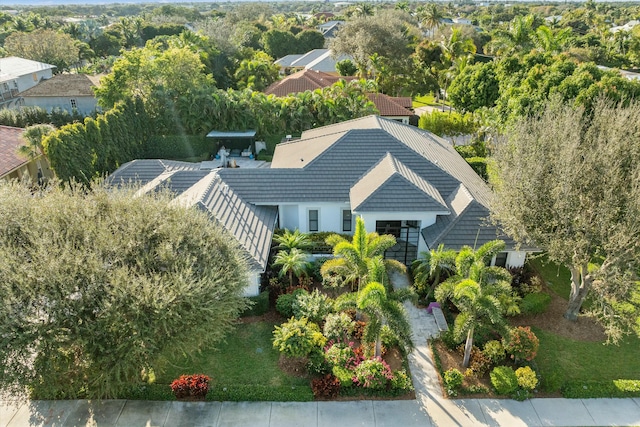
{"points": [[302, 81], [388, 106], [10, 141]]}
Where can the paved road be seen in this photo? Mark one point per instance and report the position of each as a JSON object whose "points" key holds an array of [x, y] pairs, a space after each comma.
{"points": [[429, 408]]}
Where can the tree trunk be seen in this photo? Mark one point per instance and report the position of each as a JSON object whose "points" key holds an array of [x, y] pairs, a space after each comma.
{"points": [[580, 286], [467, 349], [290, 278], [378, 350]]}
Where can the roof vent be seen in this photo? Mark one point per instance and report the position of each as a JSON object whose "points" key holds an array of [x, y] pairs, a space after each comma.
{"points": [[288, 138]]}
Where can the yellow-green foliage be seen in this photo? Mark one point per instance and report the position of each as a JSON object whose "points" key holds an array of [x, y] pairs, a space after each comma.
{"points": [[298, 337], [526, 378]]}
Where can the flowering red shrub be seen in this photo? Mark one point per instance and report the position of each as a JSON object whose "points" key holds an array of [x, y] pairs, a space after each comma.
{"points": [[373, 373], [196, 385], [522, 343]]}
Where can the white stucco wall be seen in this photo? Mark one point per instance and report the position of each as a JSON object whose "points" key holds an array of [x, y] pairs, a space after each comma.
{"points": [[516, 258], [84, 104], [424, 219], [28, 81], [329, 216], [253, 286]]}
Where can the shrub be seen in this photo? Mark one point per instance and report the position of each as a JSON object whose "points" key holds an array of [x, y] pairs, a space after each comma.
{"points": [[479, 165], [527, 379], [453, 379], [317, 364], [325, 387], [373, 373], [535, 303], [401, 381], [297, 337], [343, 355], [344, 375], [314, 306], [316, 265], [504, 380], [494, 351], [521, 343], [449, 340], [191, 386], [285, 303], [260, 305], [339, 327], [479, 362]]}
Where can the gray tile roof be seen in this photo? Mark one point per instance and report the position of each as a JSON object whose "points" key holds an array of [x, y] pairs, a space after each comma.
{"points": [[392, 186], [252, 226]]}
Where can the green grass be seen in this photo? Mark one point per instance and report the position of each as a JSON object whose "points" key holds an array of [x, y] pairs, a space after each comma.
{"points": [[421, 101], [557, 277], [565, 362], [247, 358]]}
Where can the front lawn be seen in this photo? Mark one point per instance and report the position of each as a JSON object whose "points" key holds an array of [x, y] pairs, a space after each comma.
{"points": [[246, 364]]}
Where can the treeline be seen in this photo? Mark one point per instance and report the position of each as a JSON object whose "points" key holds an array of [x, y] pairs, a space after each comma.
{"points": [[82, 151], [28, 116], [95, 147]]}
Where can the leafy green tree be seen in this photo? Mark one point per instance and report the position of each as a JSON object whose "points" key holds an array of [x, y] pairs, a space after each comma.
{"points": [[309, 40], [475, 87], [96, 291], [279, 43], [33, 136], [383, 309], [346, 67], [257, 73], [518, 36], [48, 46], [292, 262], [482, 294], [579, 200]]}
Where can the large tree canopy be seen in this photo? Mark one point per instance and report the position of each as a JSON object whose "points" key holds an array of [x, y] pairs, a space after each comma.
{"points": [[48, 46], [97, 285], [569, 182]]}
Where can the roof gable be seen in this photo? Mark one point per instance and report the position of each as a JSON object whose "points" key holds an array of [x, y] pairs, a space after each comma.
{"points": [[388, 106], [391, 186], [303, 81]]}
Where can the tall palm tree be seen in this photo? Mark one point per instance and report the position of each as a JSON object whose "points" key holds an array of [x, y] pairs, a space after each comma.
{"points": [[517, 37], [430, 16], [32, 149], [551, 41], [428, 269], [351, 257], [292, 262], [482, 294], [384, 308]]}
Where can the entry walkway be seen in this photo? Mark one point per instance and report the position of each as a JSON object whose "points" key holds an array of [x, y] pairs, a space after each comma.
{"points": [[429, 408]]}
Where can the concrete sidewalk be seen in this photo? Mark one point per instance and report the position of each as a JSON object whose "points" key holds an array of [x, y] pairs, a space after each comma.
{"points": [[429, 408]]}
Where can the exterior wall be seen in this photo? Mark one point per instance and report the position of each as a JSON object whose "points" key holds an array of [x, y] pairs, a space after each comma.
{"points": [[425, 219], [288, 215], [516, 258], [30, 80], [30, 171], [401, 119], [329, 216], [253, 287], [85, 105]]}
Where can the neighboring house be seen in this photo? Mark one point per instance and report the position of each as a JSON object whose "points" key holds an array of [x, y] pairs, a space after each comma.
{"points": [[330, 28], [394, 108], [65, 91], [628, 27], [402, 181], [19, 74], [316, 59], [629, 75], [14, 165]]}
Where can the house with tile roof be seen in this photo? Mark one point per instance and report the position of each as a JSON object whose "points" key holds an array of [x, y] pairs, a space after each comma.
{"points": [[19, 74], [64, 91], [14, 165], [396, 108], [317, 59], [400, 179]]}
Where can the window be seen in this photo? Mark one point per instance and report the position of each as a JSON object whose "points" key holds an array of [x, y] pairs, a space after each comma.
{"points": [[346, 221], [74, 104], [501, 259], [313, 220]]}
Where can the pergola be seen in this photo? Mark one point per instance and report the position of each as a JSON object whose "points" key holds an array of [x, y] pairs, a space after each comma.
{"points": [[234, 140]]}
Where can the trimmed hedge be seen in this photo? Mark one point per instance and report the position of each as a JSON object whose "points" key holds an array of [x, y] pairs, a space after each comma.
{"points": [[591, 389], [479, 165], [176, 147]]}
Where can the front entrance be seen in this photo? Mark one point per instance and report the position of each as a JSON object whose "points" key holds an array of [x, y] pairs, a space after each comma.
{"points": [[407, 234]]}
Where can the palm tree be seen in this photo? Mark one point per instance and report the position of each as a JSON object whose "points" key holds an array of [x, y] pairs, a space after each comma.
{"points": [[430, 16], [352, 257], [292, 240], [517, 37], [551, 41], [428, 269], [32, 149], [384, 308], [482, 294], [292, 262]]}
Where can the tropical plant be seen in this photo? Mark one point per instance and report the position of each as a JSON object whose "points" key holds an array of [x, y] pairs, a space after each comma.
{"points": [[504, 380], [482, 294], [373, 373], [381, 309], [292, 262], [338, 327], [521, 343], [292, 240], [298, 337], [352, 259], [430, 266], [315, 306], [452, 380]]}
